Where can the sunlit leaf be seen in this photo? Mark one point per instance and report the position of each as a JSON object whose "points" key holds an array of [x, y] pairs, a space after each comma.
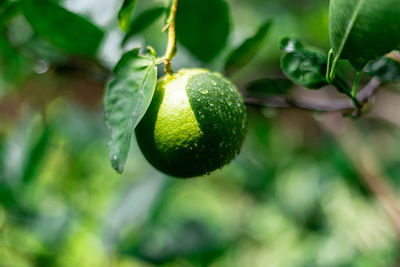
{"points": [[127, 98], [362, 30], [62, 28], [125, 14]]}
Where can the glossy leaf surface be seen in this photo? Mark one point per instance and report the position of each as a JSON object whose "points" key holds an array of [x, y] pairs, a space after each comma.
{"points": [[363, 30], [303, 66], [127, 98]]}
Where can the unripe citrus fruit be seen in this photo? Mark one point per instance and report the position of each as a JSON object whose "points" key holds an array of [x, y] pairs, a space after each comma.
{"points": [[195, 124]]}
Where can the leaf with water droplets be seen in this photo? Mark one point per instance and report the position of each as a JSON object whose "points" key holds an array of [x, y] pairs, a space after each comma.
{"points": [[305, 67], [127, 98]]}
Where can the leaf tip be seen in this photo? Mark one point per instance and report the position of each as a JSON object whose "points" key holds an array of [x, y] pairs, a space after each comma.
{"points": [[117, 164]]}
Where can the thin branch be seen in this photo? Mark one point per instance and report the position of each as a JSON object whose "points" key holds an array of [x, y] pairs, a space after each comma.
{"points": [[364, 96], [171, 46]]}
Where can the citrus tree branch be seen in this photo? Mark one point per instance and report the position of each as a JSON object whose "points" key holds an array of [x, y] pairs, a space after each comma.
{"points": [[171, 46], [316, 105]]}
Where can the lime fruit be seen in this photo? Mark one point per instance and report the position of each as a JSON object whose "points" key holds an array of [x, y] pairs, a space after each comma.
{"points": [[195, 124]]}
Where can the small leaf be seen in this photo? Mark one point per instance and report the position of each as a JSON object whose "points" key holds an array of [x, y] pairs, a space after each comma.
{"points": [[142, 21], [270, 86], [14, 67], [203, 27], [363, 30], [127, 98], [387, 69], [125, 14], [289, 45], [62, 28], [304, 67], [248, 49]]}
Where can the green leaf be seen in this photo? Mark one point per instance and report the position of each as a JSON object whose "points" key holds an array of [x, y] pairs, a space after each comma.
{"points": [[142, 21], [248, 49], [127, 98], [203, 27], [270, 86], [14, 67], [363, 30], [303, 66], [386, 69], [7, 11], [62, 28], [125, 14]]}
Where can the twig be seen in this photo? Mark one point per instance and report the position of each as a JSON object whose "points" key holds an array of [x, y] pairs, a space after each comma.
{"points": [[171, 46], [364, 96]]}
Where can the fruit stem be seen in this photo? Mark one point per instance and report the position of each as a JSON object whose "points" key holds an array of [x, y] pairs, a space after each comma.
{"points": [[171, 46], [355, 84]]}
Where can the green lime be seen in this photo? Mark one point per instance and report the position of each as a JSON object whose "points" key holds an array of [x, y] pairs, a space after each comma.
{"points": [[195, 124]]}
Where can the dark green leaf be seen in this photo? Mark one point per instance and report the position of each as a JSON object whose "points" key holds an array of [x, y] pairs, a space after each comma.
{"points": [[143, 20], [387, 69], [203, 27], [127, 98], [289, 45], [62, 28], [304, 67], [7, 11], [36, 154], [14, 67], [362, 30], [270, 86], [248, 49], [125, 14]]}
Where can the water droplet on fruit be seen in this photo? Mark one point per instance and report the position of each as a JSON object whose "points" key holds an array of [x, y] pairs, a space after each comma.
{"points": [[203, 91]]}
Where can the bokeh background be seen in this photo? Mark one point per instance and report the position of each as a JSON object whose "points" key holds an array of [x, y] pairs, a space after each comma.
{"points": [[295, 196]]}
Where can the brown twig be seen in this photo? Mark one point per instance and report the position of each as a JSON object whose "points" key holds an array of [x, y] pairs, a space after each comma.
{"points": [[364, 96]]}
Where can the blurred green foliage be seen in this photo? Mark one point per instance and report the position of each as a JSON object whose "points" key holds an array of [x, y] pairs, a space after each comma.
{"points": [[291, 198]]}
